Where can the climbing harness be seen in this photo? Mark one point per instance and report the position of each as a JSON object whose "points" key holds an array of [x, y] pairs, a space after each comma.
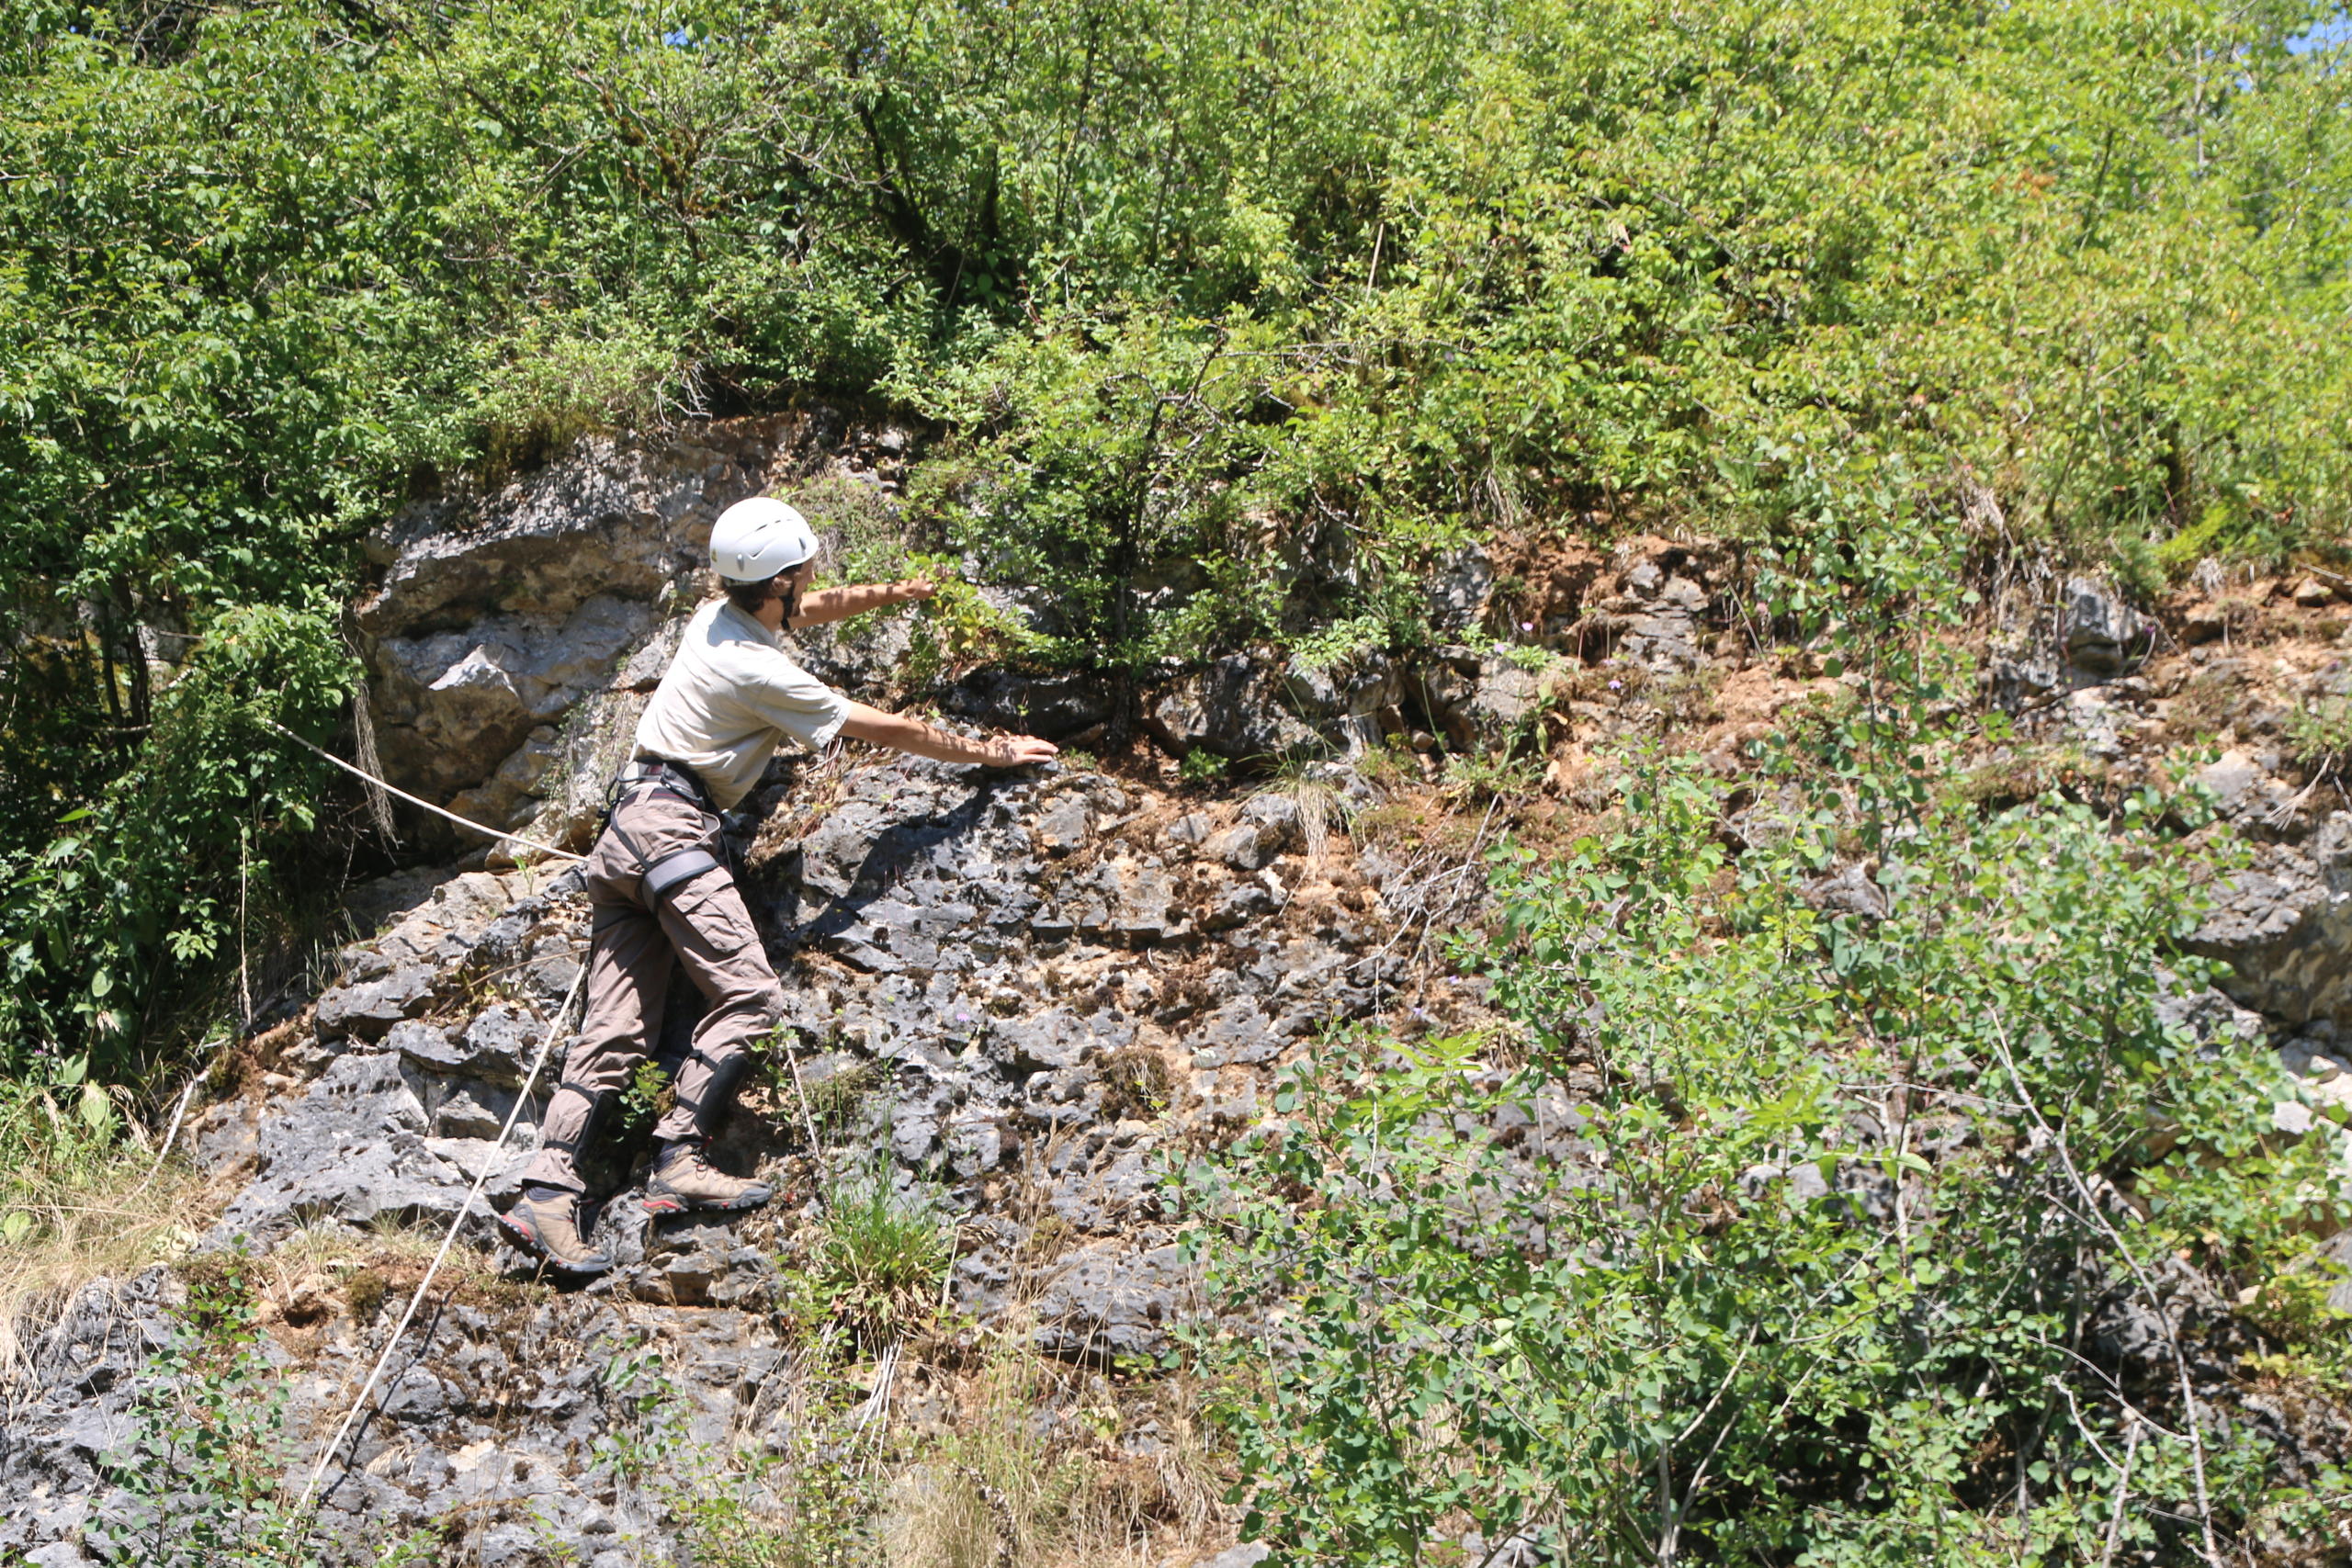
{"points": [[660, 875], [663, 777]]}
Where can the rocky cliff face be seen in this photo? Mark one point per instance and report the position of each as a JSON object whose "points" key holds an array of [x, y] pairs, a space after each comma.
{"points": [[1018, 993], [1015, 991], [511, 636]]}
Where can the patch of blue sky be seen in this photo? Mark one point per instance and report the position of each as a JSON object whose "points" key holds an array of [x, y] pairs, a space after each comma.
{"points": [[2333, 33]]}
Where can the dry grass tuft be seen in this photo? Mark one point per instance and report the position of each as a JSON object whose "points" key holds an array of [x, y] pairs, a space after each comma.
{"points": [[1001, 1485], [80, 1201]]}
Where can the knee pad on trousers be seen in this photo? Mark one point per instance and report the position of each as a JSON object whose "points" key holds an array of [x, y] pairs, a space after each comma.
{"points": [[599, 1104], [599, 1154], [727, 1074]]}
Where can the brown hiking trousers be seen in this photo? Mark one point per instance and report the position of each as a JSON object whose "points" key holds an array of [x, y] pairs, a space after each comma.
{"points": [[700, 922]]}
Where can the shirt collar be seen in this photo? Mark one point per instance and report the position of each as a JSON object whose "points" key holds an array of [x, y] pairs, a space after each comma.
{"points": [[743, 624]]}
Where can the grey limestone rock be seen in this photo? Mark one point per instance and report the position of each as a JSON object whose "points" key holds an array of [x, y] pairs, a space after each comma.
{"points": [[1656, 616], [370, 1008], [439, 920], [1459, 583], [501, 618], [1006, 996], [1345, 702], [1236, 708], [351, 1147], [1193, 828], [495, 1048], [2208, 1015], [2285, 926], [1507, 696], [1240, 846], [1055, 707], [1848, 891], [2099, 634], [1238, 905], [1249, 1555], [1127, 897], [1240, 1032], [1063, 826], [1269, 825], [1275, 815], [1111, 1300], [2254, 798], [614, 517], [453, 705]]}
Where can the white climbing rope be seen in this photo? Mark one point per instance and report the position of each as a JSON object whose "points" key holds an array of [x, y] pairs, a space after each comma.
{"points": [[327, 1455], [363, 774]]}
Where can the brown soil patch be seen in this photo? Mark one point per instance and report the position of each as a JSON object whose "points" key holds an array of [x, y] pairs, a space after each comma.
{"points": [[1540, 578]]}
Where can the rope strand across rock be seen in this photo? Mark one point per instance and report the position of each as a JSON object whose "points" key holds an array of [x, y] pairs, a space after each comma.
{"points": [[457, 1222], [362, 773]]}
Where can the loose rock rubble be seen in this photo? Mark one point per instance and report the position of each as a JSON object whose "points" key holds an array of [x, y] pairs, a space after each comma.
{"points": [[1039, 982]]}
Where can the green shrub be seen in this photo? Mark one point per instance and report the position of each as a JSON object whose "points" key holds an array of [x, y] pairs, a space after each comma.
{"points": [[1203, 766], [1802, 1225], [2319, 732], [201, 1473], [1791, 1232], [143, 887], [1476, 777]]}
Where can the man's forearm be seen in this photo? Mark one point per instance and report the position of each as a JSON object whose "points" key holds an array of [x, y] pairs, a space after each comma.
{"points": [[841, 603], [914, 735]]}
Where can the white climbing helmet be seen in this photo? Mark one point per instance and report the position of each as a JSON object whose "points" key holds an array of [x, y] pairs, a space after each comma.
{"points": [[754, 539]]}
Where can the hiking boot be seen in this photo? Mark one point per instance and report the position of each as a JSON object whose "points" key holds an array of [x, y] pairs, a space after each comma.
{"points": [[548, 1227], [683, 1179]]}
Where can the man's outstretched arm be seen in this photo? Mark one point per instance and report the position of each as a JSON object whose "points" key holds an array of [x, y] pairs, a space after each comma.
{"points": [[930, 740], [841, 603]]}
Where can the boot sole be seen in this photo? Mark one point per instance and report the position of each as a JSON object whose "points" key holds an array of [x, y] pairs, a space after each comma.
{"points": [[528, 1240], [664, 1204]]}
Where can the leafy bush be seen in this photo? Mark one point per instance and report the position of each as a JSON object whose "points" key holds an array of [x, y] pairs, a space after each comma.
{"points": [[958, 627], [1818, 1216], [1798, 1236], [144, 882], [201, 1473]]}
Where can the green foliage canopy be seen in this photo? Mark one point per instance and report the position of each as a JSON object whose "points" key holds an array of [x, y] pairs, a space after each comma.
{"points": [[1231, 311]]}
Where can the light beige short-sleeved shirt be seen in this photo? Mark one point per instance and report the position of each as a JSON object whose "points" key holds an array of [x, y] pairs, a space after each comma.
{"points": [[729, 695]]}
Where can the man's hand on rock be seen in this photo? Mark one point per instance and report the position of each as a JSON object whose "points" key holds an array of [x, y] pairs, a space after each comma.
{"points": [[912, 735], [1019, 750]]}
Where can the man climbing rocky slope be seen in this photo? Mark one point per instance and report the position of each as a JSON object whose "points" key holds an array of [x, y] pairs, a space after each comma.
{"points": [[1014, 994], [1014, 989]]}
